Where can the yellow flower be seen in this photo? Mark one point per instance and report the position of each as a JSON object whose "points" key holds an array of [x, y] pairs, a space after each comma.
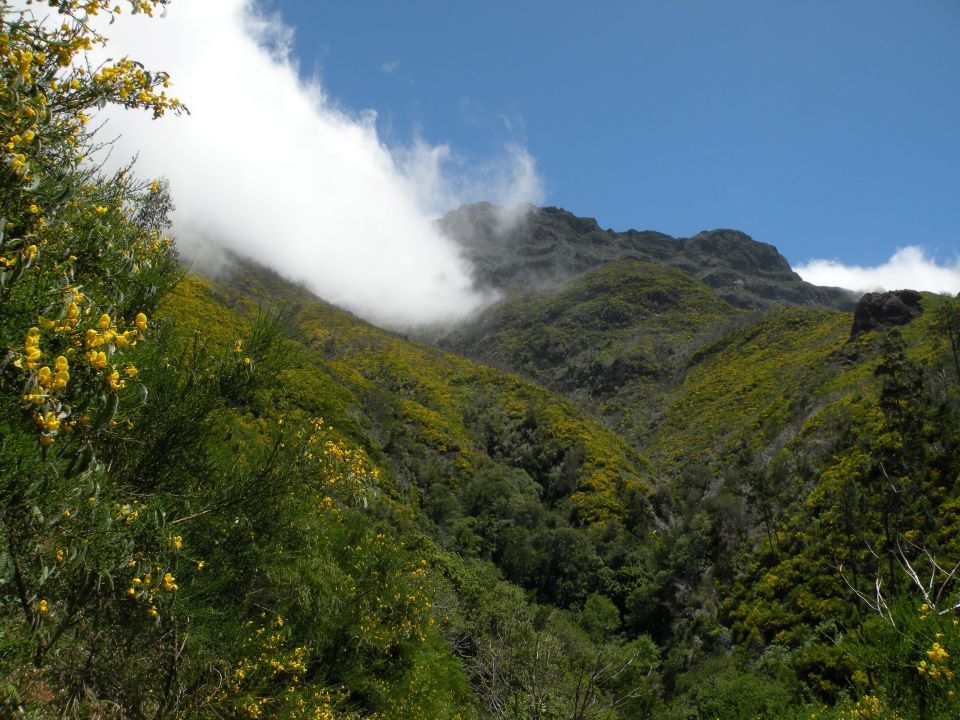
{"points": [[104, 321], [131, 371], [42, 607], [61, 380], [49, 422], [101, 210], [98, 360], [59, 556], [141, 321], [33, 359]]}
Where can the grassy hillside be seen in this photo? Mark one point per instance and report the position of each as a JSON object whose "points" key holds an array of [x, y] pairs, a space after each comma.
{"points": [[497, 471], [756, 423]]}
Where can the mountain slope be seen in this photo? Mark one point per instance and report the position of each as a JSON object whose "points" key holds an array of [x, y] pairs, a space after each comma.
{"points": [[257, 504], [745, 434], [229, 499], [759, 423], [392, 388]]}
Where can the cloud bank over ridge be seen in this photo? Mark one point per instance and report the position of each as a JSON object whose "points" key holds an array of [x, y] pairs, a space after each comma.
{"points": [[909, 268], [270, 167]]}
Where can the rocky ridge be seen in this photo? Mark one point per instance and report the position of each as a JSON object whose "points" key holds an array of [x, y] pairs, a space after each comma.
{"points": [[533, 246]]}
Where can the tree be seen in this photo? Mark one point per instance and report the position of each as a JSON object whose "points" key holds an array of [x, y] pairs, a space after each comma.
{"points": [[611, 673], [946, 324]]}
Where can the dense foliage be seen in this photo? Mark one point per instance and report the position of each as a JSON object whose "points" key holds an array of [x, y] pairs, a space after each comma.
{"points": [[229, 499], [173, 544]]}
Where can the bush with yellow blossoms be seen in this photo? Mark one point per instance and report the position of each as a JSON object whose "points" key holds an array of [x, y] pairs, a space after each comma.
{"points": [[908, 658], [269, 679], [83, 262], [156, 500]]}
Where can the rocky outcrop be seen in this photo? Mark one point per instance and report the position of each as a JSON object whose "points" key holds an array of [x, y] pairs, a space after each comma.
{"points": [[882, 310]]}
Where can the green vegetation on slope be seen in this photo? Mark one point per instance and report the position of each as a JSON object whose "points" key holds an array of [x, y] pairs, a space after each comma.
{"points": [[610, 338], [765, 436]]}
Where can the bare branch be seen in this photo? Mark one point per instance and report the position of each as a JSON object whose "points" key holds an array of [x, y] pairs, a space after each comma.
{"points": [[878, 604]]}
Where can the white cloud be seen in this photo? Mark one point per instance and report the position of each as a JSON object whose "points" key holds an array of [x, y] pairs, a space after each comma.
{"points": [[442, 180], [389, 66], [270, 167], [909, 268]]}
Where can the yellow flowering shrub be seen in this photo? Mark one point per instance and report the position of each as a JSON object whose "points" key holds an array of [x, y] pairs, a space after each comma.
{"points": [[269, 678], [870, 707], [83, 262], [81, 256]]}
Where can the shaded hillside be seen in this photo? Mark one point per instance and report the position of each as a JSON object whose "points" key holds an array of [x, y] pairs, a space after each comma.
{"points": [[610, 325], [548, 245]]}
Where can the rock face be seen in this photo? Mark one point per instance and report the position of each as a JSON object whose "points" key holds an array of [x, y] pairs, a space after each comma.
{"points": [[545, 246], [888, 309]]}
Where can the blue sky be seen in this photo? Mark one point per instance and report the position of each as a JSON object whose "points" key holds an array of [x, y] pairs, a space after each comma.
{"points": [[829, 129]]}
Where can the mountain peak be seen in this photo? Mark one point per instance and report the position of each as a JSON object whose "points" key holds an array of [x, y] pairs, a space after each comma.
{"points": [[741, 251], [516, 248]]}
